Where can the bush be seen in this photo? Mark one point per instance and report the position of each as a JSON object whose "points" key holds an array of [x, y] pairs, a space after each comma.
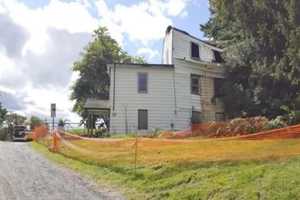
{"points": [[3, 134], [237, 126], [278, 122], [293, 117]]}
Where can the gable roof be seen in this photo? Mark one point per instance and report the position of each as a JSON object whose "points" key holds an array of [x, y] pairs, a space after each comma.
{"points": [[207, 43]]}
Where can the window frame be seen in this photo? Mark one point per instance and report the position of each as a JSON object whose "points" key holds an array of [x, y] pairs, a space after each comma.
{"points": [[139, 90], [194, 76], [140, 123], [191, 47]]}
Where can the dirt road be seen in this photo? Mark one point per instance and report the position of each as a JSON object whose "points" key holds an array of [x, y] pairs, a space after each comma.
{"points": [[26, 175]]}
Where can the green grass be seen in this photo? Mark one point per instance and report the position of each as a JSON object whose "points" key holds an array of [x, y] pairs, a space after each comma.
{"points": [[265, 179], [77, 131]]}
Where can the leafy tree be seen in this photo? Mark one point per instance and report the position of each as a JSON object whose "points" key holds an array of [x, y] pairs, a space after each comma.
{"points": [[262, 52], [3, 113], [35, 122], [62, 122], [93, 79], [14, 118]]}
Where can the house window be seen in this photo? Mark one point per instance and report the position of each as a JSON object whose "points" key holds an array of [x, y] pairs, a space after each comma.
{"points": [[218, 92], [218, 57], [196, 117], [195, 51], [142, 82], [220, 116], [195, 84], [142, 119]]}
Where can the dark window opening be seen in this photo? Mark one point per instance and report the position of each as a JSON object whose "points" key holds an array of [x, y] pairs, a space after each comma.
{"points": [[142, 119], [196, 117], [218, 87], [218, 57], [220, 116], [142, 82], [195, 84], [195, 51]]}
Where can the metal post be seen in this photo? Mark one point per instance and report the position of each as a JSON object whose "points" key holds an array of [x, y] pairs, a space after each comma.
{"points": [[52, 125], [126, 120], [135, 152]]}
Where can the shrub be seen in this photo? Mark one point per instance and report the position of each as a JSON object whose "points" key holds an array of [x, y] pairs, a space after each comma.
{"points": [[3, 134], [237, 126], [278, 122]]}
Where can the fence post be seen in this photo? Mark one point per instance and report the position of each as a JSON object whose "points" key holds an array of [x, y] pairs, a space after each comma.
{"points": [[135, 152]]}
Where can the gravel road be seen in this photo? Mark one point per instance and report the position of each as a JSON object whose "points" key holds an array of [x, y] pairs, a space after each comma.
{"points": [[26, 175]]}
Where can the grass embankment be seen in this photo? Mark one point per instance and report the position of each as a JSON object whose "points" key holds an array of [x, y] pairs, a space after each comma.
{"points": [[190, 169]]}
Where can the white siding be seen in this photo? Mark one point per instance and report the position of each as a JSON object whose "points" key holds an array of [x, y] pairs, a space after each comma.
{"points": [[159, 101], [169, 99], [182, 47], [167, 49], [186, 102]]}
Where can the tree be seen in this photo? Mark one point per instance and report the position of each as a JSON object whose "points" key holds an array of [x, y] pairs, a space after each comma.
{"points": [[14, 118], [62, 122], [3, 113], [35, 122], [93, 81], [261, 39]]}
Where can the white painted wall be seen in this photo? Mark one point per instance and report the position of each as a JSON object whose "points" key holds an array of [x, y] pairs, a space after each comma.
{"points": [[186, 102], [180, 46], [169, 99], [159, 101], [167, 49], [177, 51]]}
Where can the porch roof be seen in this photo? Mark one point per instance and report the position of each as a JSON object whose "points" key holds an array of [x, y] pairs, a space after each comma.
{"points": [[97, 104]]}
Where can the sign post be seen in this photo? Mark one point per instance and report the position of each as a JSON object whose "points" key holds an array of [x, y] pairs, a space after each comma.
{"points": [[53, 114]]}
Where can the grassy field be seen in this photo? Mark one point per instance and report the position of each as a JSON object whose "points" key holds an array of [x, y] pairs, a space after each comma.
{"points": [[189, 169]]}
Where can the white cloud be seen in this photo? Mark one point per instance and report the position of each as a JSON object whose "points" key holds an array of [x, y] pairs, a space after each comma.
{"points": [[41, 74], [148, 52], [37, 70], [144, 22], [71, 16]]}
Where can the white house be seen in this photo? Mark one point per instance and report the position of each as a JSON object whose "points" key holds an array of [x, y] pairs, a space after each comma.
{"points": [[172, 95]]}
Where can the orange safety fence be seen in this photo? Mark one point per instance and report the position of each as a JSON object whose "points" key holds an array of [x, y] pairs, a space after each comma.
{"points": [[133, 152], [39, 132], [246, 128], [51, 140], [288, 132]]}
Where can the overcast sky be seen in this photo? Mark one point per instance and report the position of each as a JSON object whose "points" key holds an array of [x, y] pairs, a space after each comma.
{"points": [[40, 39]]}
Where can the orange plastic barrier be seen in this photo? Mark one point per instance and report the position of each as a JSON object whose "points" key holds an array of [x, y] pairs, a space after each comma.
{"points": [[56, 142], [39, 132]]}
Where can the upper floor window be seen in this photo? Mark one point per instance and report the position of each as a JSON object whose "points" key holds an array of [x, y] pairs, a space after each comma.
{"points": [[195, 84], [195, 54], [217, 57], [142, 82]]}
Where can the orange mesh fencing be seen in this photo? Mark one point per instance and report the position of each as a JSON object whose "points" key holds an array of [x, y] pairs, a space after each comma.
{"points": [[289, 132], [39, 132], [250, 128]]}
